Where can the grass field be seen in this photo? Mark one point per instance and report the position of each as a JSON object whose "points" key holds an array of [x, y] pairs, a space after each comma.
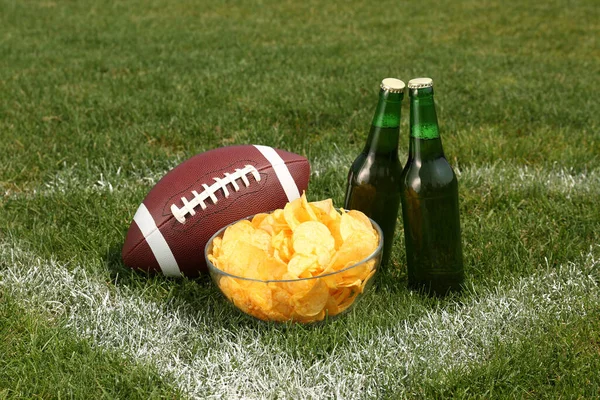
{"points": [[98, 100]]}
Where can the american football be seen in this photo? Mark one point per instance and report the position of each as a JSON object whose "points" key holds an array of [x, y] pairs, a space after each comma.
{"points": [[206, 192]]}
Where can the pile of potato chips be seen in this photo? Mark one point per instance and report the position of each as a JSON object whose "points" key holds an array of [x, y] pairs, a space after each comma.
{"points": [[297, 251]]}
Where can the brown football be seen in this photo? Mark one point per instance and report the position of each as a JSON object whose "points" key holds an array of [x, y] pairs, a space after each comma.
{"points": [[203, 194]]}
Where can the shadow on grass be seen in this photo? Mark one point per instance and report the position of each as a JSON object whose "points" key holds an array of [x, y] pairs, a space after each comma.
{"points": [[197, 298], [201, 300]]}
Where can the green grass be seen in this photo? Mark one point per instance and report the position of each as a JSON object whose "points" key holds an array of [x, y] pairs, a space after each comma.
{"points": [[98, 101], [38, 359], [568, 359]]}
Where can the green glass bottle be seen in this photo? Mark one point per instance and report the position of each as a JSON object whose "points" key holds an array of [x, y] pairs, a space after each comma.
{"points": [[374, 178], [430, 201]]}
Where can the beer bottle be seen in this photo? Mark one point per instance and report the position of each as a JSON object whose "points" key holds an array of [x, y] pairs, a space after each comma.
{"points": [[430, 201], [374, 179]]}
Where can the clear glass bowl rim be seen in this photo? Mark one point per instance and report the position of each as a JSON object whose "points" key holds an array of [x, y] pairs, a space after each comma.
{"points": [[216, 270]]}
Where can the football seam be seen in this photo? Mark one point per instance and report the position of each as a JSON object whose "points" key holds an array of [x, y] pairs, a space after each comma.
{"points": [[171, 216], [210, 192], [195, 184]]}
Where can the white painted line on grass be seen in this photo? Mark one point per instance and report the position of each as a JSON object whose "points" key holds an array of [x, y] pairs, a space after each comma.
{"points": [[505, 176], [207, 360], [96, 178]]}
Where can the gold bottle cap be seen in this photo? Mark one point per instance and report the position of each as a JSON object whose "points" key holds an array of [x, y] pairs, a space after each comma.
{"points": [[420, 83], [393, 85]]}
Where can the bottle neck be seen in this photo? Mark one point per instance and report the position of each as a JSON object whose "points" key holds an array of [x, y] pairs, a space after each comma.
{"points": [[385, 127], [425, 141]]}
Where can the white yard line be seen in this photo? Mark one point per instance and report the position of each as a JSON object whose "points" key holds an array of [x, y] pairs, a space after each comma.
{"points": [[97, 178], [503, 176], [204, 359]]}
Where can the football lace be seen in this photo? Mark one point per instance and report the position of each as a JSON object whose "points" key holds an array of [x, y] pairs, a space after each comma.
{"points": [[209, 192]]}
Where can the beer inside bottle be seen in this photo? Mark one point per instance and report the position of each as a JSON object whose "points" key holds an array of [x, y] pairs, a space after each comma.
{"points": [[374, 178], [430, 201]]}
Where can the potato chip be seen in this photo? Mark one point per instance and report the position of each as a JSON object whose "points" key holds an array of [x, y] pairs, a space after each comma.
{"points": [[359, 216], [351, 222], [309, 210], [295, 214], [340, 300], [325, 207], [352, 278], [311, 318], [274, 315], [295, 286], [281, 245], [258, 297], [271, 269], [279, 218], [348, 300], [274, 223], [216, 246], [331, 307], [340, 295], [287, 252], [366, 280], [232, 290], [282, 302], [247, 296], [244, 260], [334, 229], [356, 247], [262, 240], [312, 237], [258, 219], [303, 265], [241, 231], [313, 302]]}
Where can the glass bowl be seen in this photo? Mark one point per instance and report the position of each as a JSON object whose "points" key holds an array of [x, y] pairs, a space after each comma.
{"points": [[304, 300]]}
